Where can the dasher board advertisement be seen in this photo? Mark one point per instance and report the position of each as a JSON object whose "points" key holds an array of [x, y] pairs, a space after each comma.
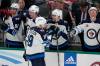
{"points": [[81, 59]]}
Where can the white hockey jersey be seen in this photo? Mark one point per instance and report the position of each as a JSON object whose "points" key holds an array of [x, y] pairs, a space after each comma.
{"points": [[30, 22], [33, 43], [18, 37], [60, 37], [90, 33]]}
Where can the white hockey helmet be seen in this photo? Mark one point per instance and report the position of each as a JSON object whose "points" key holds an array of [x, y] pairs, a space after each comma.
{"points": [[14, 5], [57, 12], [34, 8], [40, 21], [93, 8]]}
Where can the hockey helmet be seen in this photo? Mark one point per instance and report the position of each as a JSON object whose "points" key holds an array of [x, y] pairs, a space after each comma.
{"points": [[57, 12], [40, 21], [14, 5], [34, 8]]}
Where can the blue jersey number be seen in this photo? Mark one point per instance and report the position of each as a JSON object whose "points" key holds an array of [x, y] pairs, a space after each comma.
{"points": [[30, 40]]}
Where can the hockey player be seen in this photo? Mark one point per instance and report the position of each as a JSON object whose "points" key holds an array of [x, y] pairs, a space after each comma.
{"points": [[33, 14], [59, 31], [57, 17], [34, 48], [91, 29], [13, 28]]}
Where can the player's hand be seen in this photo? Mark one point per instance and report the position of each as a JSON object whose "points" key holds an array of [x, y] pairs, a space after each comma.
{"points": [[72, 33], [3, 27], [24, 56], [46, 43]]}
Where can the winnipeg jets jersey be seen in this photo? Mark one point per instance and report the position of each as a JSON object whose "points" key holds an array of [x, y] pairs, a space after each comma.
{"points": [[30, 23], [90, 33], [33, 43], [15, 27], [60, 37]]}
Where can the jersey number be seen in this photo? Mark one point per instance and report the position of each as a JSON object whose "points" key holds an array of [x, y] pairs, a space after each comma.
{"points": [[30, 40]]}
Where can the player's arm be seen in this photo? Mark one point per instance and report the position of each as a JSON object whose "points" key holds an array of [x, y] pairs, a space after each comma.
{"points": [[3, 26], [78, 29], [8, 27], [63, 32]]}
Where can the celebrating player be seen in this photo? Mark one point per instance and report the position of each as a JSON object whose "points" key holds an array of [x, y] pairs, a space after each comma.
{"points": [[91, 29], [34, 43], [59, 31], [13, 28]]}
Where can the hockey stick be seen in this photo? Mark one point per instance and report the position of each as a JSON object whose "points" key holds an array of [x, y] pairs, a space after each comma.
{"points": [[25, 46], [58, 53], [58, 50]]}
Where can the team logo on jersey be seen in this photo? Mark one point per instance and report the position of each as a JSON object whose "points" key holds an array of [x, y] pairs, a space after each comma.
{"points": [[91, 33]]}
